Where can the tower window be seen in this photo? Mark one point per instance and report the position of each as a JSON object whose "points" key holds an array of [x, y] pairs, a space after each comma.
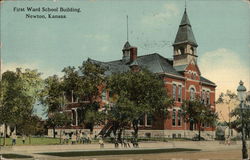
{"points": [[191, 50], [182, 50]]}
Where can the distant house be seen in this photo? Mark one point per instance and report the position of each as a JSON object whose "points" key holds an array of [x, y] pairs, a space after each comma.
{"points": [[182, 78]]}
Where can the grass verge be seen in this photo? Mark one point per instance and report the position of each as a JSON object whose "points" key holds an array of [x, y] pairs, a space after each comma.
{"points": [[14, 156], [116, 152], [32, 141]]}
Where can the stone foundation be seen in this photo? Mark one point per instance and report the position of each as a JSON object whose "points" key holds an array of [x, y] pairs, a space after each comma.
{"points": [[208, 135]]}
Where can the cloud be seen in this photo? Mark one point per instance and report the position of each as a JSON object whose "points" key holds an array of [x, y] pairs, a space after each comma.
{"points": [[224, 67], [45, 72], [167, 12]]}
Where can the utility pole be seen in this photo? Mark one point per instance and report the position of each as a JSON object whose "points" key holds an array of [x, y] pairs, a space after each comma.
{"points": [[229, 122], [127, 28]]}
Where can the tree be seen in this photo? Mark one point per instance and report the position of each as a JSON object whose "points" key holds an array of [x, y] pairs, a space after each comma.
{"points": [[51, 96], [137, 94], [19, 93], [227, 101], [236, 113], [86, 85], [58, 119], [196, 112], [70, 82], [91, 81], [119, 115], [31, 125]]}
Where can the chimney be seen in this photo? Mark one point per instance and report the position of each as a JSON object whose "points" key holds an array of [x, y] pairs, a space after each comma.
{"points": [[133, 53]]}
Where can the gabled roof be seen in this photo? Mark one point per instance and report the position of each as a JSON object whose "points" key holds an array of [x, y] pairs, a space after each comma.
{"points": [[134, 63], [185, 33], [153, 62], [204, 80], [181, 68]]}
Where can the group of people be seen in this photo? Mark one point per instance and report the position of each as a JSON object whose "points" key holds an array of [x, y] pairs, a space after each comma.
{"points": [[77, 138], [14, 139], [125, 143]]}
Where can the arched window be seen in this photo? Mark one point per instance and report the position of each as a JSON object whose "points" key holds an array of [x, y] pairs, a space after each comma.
{"points": [[192, 93], [178, 52]]}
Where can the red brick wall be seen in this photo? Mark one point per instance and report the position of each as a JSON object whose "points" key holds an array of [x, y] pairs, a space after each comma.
{"points": [[191, 81]]}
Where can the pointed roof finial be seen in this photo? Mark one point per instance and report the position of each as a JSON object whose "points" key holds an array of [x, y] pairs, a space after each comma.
{"points": [[185, 5]]}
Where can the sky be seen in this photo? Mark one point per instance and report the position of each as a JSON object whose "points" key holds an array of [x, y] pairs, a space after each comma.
{"points": [[99, 31]]}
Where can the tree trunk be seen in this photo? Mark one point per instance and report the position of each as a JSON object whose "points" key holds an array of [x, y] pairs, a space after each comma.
{"points": [[5, 133], [54, 132], [114, 128], [29, 139], [136, 128], [91, 128], [199, 136], [60, 136], [120, 135]]}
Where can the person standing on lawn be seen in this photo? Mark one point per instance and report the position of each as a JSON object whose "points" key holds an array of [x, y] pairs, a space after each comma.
{"points": [[101, 142], [23, 139], [13, 139], [73, 139]]}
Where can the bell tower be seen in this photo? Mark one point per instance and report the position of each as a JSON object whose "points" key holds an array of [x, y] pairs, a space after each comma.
{"points": [[185, 46]]}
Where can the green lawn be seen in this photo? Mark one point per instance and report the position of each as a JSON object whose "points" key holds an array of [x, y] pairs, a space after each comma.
{"points": [[34, 141], [117, 152], [15, 156]]}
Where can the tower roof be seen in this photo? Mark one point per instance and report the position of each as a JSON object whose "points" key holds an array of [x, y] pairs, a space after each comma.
{"points": [[126, 45], [185, 33]]}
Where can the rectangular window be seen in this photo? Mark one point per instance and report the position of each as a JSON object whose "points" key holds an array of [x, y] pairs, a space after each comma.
{"points": [[179, 93], [142, 120], [208, 98], [149, 119], [203, 96], [179, 118], [174, 91], [173, 117], [104, 95]]}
